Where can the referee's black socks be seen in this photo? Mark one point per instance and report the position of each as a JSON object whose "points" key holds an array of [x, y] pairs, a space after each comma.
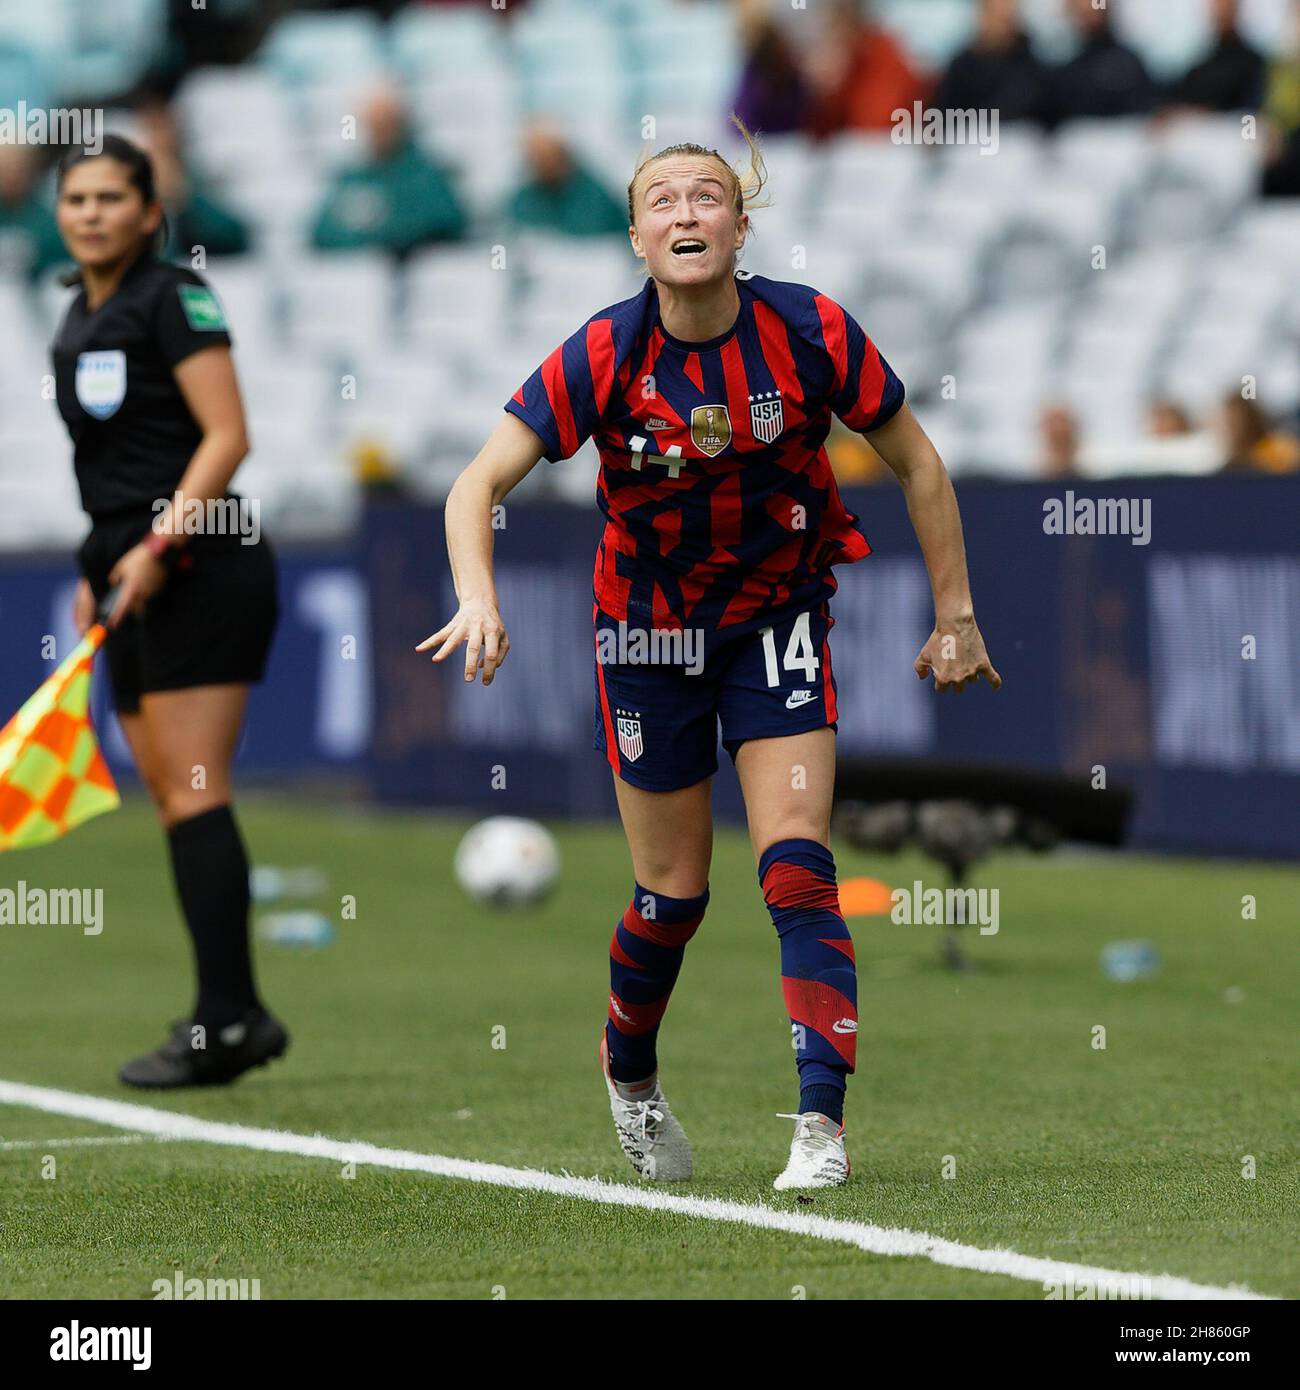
{"points": [[211, 870]]}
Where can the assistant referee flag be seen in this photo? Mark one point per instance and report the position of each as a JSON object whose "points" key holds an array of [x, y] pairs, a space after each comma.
{"points": [[52, 774]]}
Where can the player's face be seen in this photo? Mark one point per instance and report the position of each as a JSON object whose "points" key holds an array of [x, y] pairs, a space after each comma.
{"points": [[101, 215], [686, 228]]}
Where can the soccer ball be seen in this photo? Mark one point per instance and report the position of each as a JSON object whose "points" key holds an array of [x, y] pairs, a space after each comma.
{"points": [[506, 861]]}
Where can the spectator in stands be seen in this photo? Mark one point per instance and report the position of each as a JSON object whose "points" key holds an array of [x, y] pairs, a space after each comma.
{"points": [[1230, 76], [859, 74], [1281, 109], [558, 194], [1059, 432], [1166, 419], [398, 199], [773, 94], [1173, 442], [1252, 443], [1104, 78], [29, 237], [195, 216], [998, 70]]}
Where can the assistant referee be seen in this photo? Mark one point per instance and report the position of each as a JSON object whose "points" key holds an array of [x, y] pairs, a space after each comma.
{"points": [[147, 389]]}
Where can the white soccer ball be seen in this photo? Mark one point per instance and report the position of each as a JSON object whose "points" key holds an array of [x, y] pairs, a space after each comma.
{"points": [[506, 861]]}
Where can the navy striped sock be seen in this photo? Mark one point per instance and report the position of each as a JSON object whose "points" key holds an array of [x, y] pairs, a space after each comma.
{"points": [[645, 956], [818, 976]]}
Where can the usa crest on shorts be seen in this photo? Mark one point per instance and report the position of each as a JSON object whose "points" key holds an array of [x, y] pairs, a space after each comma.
{"points": [[766, 416], [630, 743]]}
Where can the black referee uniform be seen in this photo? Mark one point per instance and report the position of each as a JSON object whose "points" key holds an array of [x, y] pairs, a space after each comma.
{"points": [[133, 437], [211, 623]]}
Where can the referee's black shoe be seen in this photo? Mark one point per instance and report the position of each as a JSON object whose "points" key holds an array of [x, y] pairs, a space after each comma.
{"points": [[251, 1041]]}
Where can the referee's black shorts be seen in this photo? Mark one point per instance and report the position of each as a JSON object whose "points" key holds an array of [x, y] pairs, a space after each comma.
{"points": [[210, 624]]}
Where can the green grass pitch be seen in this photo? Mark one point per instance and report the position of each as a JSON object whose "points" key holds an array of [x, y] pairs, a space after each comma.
{"points": [[1129, 1157]]}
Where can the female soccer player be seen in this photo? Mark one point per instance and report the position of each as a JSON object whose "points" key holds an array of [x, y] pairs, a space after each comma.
{"points": [[710, 396], [147, 389]]}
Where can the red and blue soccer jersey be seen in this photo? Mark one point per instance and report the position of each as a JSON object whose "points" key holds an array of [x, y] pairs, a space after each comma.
{"points": [[718, 496]]}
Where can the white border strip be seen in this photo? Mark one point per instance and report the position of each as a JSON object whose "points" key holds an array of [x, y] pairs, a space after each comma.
{"points": [[875, 1240]]}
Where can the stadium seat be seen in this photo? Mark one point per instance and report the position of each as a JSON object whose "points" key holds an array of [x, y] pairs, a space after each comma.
{"points": [[1212, 151], [562, 55], [1170, 35], [24, 75], [305, 485], [276, 390], [561, 278], [1206, 362], [39, 506], [454, 295], [341, 304], [1048, 245], [95, 53], [246, 288], [1015, 164], [235, 119], [470, 124], [861, 168], [794, 178], [307, 48], [332, 128], [1107, 155], [1011, 344], [428, 43], [278, 203], [397, 406], [682, 59], [931, 33], [1271, 230]]}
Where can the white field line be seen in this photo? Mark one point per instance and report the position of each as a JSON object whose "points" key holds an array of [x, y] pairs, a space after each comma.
{"points": [[876, 1240], [86, 1141]]}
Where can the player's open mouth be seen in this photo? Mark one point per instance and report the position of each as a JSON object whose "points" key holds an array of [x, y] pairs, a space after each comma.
{"points": [[689, 246]]}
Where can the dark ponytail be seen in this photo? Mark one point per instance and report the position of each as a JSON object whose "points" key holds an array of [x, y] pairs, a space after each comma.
{"points": [[139, 168]]}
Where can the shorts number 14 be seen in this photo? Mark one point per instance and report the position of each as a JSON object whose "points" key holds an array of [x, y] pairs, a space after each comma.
{"points": [[799, 654]]}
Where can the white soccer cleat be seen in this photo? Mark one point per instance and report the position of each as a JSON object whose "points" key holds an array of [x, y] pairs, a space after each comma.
{"points": [[648, 1132], [817, 1154]]}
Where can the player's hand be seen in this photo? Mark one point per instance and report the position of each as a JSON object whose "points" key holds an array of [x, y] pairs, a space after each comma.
{"points": [[478, 624], [83, 607], [955, 653], [139, 576]]}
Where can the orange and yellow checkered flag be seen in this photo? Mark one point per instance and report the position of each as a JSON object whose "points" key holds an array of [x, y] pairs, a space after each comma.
{"points": [[52, 774]]}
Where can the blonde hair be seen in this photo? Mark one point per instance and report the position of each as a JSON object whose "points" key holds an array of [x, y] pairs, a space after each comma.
{"points": [[742, 189]]}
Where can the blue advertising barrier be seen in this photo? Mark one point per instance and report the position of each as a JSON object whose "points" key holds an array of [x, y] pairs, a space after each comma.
{"points": [[314, 709], [1163, 654], [1172, 664]]}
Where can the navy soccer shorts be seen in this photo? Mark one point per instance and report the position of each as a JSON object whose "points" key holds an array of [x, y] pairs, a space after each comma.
{"points": [[660, 700], [210, 624]]}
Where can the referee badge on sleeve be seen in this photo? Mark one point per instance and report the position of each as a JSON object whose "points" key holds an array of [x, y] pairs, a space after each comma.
{"points": [[202, 312], [101, 382]]}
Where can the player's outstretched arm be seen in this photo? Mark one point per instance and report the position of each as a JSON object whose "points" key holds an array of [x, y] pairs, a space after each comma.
{"points": [[511, 452], [954, 651]]}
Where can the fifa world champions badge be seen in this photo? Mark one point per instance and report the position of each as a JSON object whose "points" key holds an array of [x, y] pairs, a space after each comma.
{"points": [[710, 428]]}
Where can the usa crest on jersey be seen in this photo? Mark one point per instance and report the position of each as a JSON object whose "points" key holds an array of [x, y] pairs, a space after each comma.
{"points": [[630, 743], [766, 416]]}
